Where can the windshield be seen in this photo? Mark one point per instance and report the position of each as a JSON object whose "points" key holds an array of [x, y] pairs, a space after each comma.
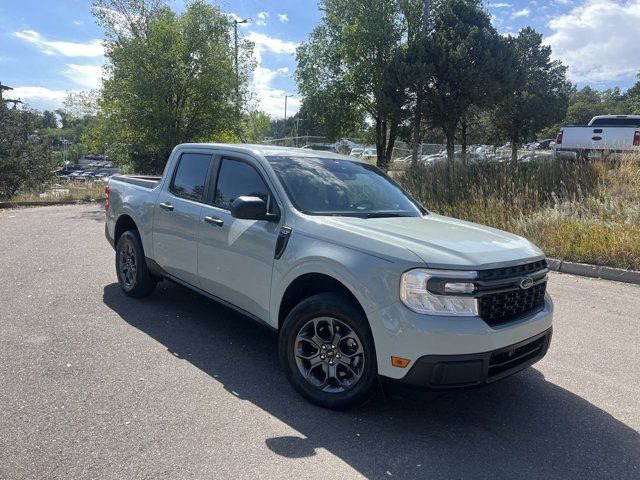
{"points": [[327, 186]]}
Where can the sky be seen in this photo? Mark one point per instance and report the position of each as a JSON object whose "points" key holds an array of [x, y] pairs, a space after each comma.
{"points": [[50, 47]]}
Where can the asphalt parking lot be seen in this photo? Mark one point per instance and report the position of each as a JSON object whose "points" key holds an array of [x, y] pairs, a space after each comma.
{"points": [[97, 385]]}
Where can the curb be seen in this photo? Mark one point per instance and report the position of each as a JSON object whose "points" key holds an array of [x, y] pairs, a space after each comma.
{"points": [[594, 271], [4, 205]]}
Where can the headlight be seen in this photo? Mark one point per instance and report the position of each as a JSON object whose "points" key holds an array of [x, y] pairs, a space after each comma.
{"points": [[415, 295]]}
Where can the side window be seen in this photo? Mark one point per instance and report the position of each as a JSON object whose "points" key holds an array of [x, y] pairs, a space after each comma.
{"points": [[237, 179], [190, 176]]}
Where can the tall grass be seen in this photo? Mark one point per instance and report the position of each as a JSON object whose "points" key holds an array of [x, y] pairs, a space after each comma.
{"points": [[579, 211], [79, 191]]}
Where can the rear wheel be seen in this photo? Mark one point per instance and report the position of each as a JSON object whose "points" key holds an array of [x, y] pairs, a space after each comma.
{"points": [[131, 266], [327, 351]]}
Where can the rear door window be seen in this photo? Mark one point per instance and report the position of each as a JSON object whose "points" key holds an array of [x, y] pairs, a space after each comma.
{"points": [[191, 175]]}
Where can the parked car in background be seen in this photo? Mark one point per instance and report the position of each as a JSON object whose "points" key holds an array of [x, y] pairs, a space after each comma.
{"points": [[504, 149], [547, 144], [605, 135], [360, 281], [370, 155], [356, 152]]}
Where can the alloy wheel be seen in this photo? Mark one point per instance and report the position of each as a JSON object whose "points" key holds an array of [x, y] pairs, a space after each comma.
{"points": [[329, 354]]}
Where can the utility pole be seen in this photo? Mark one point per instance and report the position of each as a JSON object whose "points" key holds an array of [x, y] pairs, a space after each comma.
{"points": [[235, 49], [417, 117]]}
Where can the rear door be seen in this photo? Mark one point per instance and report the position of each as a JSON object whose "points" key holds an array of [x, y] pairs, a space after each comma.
{"points": [[177, 216], [235, 257]]}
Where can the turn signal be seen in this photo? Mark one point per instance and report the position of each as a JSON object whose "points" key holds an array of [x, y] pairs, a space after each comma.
{"points": [[400, 362]]}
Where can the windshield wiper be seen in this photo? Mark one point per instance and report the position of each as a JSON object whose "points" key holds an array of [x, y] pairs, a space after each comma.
{"points": [[385, 214]]}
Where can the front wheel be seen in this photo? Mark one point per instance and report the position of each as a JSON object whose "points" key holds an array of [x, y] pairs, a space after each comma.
{"points": [[131, 266], [327, 351]]}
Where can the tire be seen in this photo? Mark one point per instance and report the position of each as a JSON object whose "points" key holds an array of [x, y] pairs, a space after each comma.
{"points": [[131, 266], [354, 375]]}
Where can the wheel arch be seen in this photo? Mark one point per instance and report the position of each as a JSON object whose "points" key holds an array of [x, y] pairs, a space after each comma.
{"points": [[308, 284], [125, 222]]}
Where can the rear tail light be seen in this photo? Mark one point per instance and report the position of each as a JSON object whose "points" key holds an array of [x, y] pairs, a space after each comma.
{"points": [[559, 138], [106, 203], [636, 139]]}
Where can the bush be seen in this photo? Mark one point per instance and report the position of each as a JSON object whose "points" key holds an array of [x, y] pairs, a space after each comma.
{"points": [[580, 211], [25, 162]]}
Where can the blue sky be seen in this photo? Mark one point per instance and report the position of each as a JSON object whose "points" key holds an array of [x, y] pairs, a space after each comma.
{"points": [[50, 47]]}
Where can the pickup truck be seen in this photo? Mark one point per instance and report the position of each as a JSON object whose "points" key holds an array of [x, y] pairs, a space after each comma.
{"points": [[605, 135], [361, 282]]}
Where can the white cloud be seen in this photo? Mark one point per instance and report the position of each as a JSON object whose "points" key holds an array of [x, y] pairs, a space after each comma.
{"points": [[87, 76], [93, 48], [271, 99], [598, 40], [498, 5], [39, 97], [283, 17], [78, 22], [262, 18], [264, 43], [521, 13]]}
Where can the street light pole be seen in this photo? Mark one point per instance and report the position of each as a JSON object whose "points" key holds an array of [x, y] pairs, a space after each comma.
{"points": [[235, 49], [285, 107]]}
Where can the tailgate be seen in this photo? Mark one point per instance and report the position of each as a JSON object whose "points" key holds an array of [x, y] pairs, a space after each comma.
{"points": [[599, 138]]}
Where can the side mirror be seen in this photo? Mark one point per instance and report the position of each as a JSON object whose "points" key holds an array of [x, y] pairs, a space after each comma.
{"points": [[251, 208]]}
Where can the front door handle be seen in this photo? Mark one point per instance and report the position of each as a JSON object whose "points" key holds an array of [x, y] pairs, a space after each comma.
{"points": [[214, 221], [166, 206]]}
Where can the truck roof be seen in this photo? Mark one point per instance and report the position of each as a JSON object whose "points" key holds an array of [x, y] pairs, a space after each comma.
{"points": [[616, 116], [273, 150]]}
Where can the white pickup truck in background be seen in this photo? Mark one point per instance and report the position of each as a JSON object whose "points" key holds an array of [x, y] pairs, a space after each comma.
{"points": [[603, 136]]}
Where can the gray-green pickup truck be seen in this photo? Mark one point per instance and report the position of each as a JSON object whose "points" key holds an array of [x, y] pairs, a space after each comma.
{"points": [[360, 280]]}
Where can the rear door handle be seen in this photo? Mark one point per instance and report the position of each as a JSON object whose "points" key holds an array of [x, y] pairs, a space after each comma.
{"points": [[214, 221], [166, 206]]}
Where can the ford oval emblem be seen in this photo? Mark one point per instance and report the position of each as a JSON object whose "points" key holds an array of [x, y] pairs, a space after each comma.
{"points": [[526, 282]]}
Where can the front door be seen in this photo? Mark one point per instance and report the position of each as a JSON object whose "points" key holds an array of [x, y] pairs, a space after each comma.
{"points": [[177, 216], [235, 257]]}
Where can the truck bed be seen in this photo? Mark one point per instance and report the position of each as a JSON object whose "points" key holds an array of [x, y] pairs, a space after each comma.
{"points": [[145, 181]]}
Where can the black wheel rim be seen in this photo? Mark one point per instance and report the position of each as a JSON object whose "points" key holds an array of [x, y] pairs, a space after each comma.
{"points": [[127, 265], [329, 355]]}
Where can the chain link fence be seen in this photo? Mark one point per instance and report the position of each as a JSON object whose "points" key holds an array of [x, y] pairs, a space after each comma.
{"points": [[402, 152]]}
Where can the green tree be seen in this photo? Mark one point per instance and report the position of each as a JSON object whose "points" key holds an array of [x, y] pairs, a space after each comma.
{"points": [[541, 93], [26, 162], [49, 120], [256, 126], [471, 65], [344, 66], [169, 78]]}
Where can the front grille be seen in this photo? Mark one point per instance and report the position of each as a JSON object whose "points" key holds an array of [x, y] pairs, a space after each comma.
{"points": [[503, 361], [497, 308], [514, 271]]}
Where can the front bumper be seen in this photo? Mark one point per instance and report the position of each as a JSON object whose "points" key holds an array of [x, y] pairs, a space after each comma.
{"points": [[457, 372], [397, 331]]}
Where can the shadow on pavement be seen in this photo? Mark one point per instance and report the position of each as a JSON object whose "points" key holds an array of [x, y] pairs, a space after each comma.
{"points": [[523, 426]]}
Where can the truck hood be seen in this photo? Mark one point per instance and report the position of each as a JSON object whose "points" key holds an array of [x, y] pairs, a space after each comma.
{"points": [[440, 242]]}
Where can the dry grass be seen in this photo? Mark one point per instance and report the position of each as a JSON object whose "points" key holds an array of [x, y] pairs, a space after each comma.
{"points": [[65, 192], [577, 211]]}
